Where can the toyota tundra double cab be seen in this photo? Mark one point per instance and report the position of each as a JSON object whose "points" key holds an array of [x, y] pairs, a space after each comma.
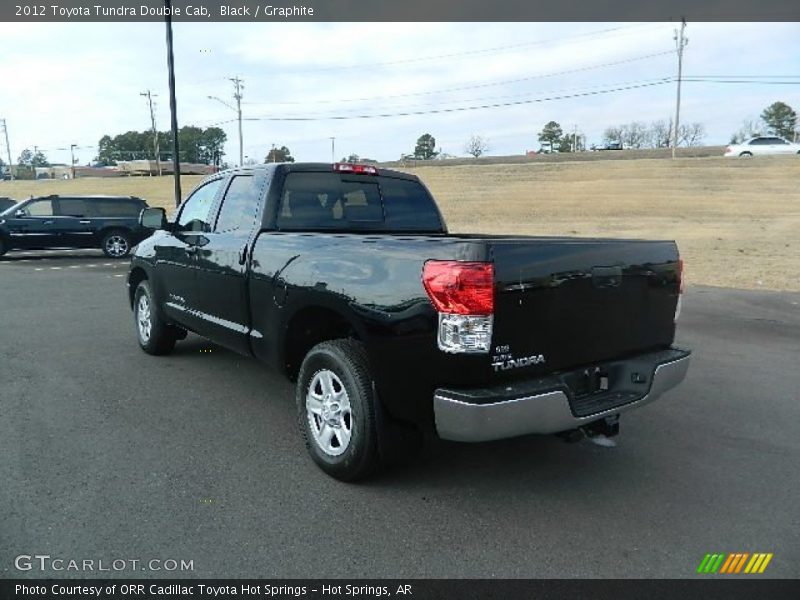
{"points": [[345, 278]]}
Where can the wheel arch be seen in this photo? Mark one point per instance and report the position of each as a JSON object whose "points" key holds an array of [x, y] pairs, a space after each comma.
{"points": [[309, 326]]}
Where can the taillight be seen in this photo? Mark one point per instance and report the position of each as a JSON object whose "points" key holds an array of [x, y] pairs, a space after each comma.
{"points": [[463, 295], [361, 169]]}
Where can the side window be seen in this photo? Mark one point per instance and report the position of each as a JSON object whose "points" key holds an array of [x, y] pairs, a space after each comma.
{"points": [[73, 207], [409, 206], [40, 208], [239, 206], [195, 211], [760, 142]]}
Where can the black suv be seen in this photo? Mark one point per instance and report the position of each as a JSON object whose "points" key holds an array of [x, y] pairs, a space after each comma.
{"points": [[110, 223]]}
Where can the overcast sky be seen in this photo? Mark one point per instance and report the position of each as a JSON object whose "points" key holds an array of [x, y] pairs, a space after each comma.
{"points": [[66, 83]]}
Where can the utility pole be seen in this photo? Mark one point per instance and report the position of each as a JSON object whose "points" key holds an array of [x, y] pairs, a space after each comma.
{"points": [[72, 160], [272, 154], [8, 147], [333, 149], [680, 43], [237, 95], [176, 165], [156, 149]]}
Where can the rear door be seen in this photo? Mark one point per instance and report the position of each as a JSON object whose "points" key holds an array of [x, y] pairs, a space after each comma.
{"points": [[35, 227], [74, 222], [221, 285]]}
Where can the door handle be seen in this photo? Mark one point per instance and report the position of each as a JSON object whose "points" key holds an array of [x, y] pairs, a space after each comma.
{"points": [[47, 223], [84, 222]]}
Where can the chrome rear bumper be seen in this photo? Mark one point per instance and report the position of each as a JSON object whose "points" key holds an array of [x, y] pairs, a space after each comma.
{"points": [[467, 417]]}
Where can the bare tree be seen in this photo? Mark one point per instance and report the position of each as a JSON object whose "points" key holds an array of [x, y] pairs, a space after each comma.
{"points": [[749, 128], [612, 134], [660, 133], [634, 134], [476, 146], [691, 134]]}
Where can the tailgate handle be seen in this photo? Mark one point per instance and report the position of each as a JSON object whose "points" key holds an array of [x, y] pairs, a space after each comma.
{"points": [[606, 277]]}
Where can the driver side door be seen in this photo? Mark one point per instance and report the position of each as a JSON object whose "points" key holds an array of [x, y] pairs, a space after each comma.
{"points": [[176, 255]]}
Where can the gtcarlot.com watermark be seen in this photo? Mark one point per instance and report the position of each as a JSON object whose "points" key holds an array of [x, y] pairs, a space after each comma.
{"points": [[47, 563]]}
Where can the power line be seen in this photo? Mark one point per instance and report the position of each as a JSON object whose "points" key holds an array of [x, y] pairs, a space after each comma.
{"points": [[478, 85], [461, 108]]}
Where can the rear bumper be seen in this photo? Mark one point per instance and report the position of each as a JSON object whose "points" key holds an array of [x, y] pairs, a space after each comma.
{"points": [[549, 405]]}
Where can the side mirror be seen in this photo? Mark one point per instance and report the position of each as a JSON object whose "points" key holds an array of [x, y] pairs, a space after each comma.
{"points": [[153, 218], [19, 213]]}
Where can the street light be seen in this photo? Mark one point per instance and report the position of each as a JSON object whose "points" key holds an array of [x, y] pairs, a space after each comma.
{"points": [[238, 110]]}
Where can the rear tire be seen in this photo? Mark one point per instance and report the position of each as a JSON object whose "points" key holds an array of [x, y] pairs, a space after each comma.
{"points": [[116, 243], [336, 410], [154, 335], [3, 247], [745, 155]]}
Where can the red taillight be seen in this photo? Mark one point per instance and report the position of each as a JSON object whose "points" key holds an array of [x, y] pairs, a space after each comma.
{"points": [[681, 282], [460, 288], [348, 168]]}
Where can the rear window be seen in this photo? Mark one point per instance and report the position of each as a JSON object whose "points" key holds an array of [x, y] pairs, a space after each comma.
{"points": [[355, 202], [116, 208]]}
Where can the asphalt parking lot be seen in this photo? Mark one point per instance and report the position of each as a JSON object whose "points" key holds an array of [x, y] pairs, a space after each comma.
{"points": [[110, 453]]}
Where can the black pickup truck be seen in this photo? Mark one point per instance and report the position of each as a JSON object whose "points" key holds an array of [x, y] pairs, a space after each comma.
{"points": [[345, 278]]}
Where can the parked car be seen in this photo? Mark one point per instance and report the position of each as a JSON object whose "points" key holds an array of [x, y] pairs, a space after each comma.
{"points": [[110, 223], [6, 203], [762, 145], [345, 278]]}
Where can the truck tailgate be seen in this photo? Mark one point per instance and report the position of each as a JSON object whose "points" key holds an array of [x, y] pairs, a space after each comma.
{"points": [[565, 302]]}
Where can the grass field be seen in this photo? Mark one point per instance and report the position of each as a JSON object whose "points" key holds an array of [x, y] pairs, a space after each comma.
{"points": [[737, 221]]}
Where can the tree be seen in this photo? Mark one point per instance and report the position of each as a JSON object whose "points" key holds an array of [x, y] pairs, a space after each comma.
{"points": [[353, 158], [691, 134], [612, 134], [634, 135], [281, 154], [25, 158], [750, 128], [551, 134], [426, 147], [476, 146], [660, 134], [780, 119], [39, 160]]}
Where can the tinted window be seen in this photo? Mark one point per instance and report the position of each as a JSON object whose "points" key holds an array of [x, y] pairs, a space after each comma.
{"points": [[334, 201], [115, 208], [40, 208], [73, 207], [239, 205], [195, 211], [760, 142], [408, 206]]}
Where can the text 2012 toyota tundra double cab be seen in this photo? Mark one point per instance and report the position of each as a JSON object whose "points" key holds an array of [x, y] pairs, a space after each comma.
{"points": [[344, 277]]}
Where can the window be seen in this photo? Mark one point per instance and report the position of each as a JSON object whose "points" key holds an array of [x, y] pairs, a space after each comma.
{"points": [[761, 142], [73, 207], [40, 208], [116, 208], [409, 206], [195, 211], [239, 206], [330, 201]]}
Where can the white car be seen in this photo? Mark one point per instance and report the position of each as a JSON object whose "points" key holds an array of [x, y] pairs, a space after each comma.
{"points": [[761, 145]]}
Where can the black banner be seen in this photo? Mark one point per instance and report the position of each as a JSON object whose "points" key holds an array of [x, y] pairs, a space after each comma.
{"points": [[407, 10], [413, 589]]}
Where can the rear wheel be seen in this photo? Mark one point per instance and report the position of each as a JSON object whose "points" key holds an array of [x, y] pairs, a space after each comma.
{"points": [[154, 335], [746, 155], [3, 247], [116, 244], [335, 410]]}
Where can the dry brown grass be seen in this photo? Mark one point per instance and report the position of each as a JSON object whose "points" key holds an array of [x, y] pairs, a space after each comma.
{"points": [[737, 221]]}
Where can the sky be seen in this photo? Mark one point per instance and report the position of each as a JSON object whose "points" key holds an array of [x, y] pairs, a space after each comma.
{"points": [[71, 83]]}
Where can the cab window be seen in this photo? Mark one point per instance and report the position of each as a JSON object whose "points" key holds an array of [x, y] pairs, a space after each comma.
{"points": [[239, 206], [195, 211]]}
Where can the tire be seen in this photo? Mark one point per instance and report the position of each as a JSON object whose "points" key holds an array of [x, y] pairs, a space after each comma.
{"points": [[116, 243], [154, 335], [3, 247], [745, 155], [336, 410]]}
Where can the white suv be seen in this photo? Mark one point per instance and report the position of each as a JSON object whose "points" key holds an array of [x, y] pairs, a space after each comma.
{"points": [[762, 145]]}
